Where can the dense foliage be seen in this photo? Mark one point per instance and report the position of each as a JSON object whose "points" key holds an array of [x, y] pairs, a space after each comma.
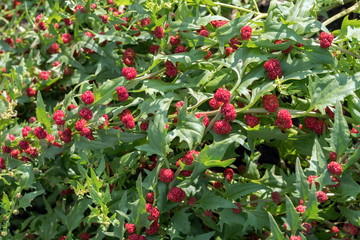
{"points": [[153, 119]]}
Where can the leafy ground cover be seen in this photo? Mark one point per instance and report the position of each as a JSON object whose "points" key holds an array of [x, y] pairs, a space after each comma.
{"points": [[179, 119]]}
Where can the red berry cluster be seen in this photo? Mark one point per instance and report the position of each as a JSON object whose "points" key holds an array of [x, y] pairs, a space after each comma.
{"points": [[176, 194], [316, 125], [129, 57], [334, 168], [326, 39], [88, 97], [283, 119], [246, 32], [171, 69], [129, 73], [251, 120], [166, 175], [272, 66], [127, 119], [270, 102], [122, 93]]}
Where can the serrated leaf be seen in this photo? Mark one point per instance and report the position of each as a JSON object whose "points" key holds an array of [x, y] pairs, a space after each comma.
{"points": [[105, 92], [292, 217], [5, 203], [318, 160], [188, 128], [253, 219], [196, 40], [25, 201], [275, 230], [161, 86], [301, 181], [353, 159], [41, 114], [205, 236], [351, 215], [228, 217], [340, 135], [312, 209], [211, 201], [280, 31], [181, 221], [232, 28], [26, 176], [76, 214], [187, 58], [237, 190], [328, 90], [348, 187]]}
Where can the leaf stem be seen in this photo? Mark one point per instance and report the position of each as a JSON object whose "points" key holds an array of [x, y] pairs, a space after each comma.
{"points": [[237, 8], [353, 8], [346, 51]]}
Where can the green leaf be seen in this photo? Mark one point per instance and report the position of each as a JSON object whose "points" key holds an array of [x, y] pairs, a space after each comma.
{"points": [[140, 211], [253, 217], [353, 159], [106, 91], [318, 160], [27, 176], [187, 58], [280, 31], [275, 230], [41, 114], [5, 203], [292, 217], [181, 221], [196, 40], [237, 190], [351, 215], [348, 189], [157, 137], [312, 209], [25, 201], [301, 184], [188, 128], [205, 236], [340, 135], [161, 86], [328, 90], [211, 201], [232, 28], [76, 214]]}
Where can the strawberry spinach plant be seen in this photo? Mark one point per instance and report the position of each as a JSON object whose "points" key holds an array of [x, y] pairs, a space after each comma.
{"points": [[190, 119]]}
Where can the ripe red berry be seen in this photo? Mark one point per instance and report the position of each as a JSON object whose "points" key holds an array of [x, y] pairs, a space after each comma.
{"points": [[326, 39], [222, 127], [218, 23], [86, 113], [286, 51], [144, 126], [228, 174], [300, 208], [180, 49], [311, 179], [275, 196], [88, 97], [175, 40], [166, 175], [234, 43], [159, 32], [149, 197], [30, 92], [229, 50], [171, 69], [154, 49], [350, 229], [153, 229], [229, 111], [44, 75], [204, 33], [332, 156], [270, 102], [206, 119], [214, 104], [321, 196], [176, 194], [80, 124], [129, 53], [154, 212], [130, 228], [65, 135], [251, 120], [283, 120], [246, 32], [40, 133], [129, 73], [222, 95], [66, 38], [315, 124], [122, 93], [272, 66], [295, 238], [145, 21], [59, 116], [54, 48], [334, 168], [25, 131], [208, 55], [217, 184], [2, 163], [238, 209]]}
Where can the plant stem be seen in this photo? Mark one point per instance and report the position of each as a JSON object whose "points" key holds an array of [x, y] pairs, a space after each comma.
{"points": [[238, 8], [353, 8], [346, 51]]}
